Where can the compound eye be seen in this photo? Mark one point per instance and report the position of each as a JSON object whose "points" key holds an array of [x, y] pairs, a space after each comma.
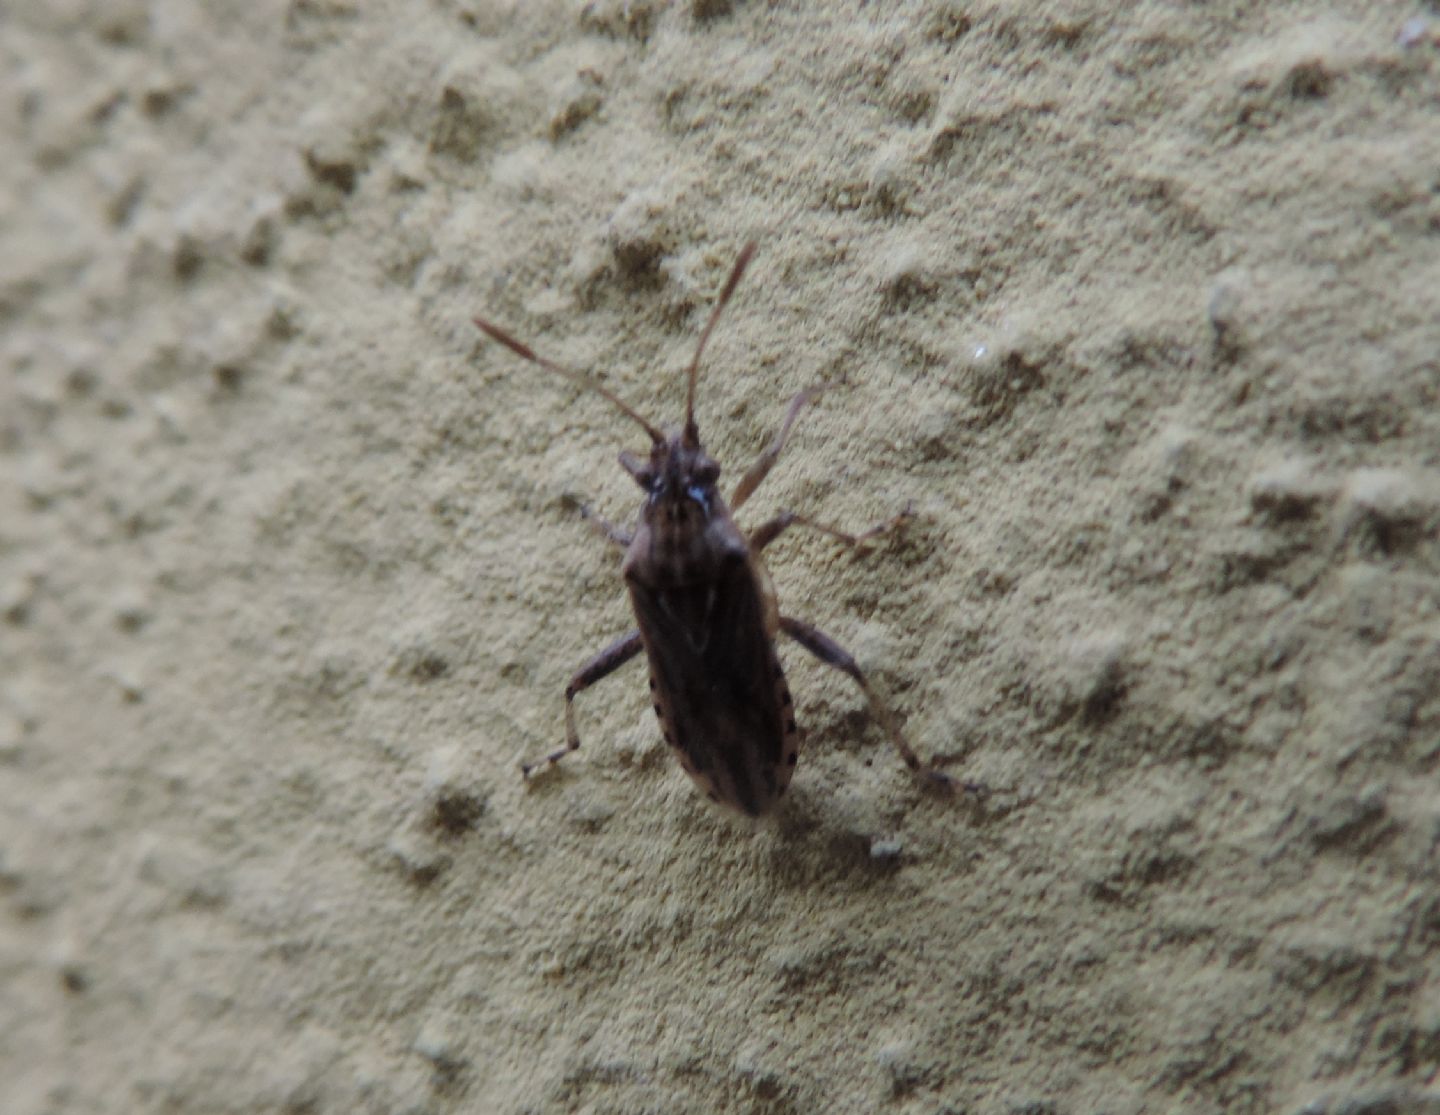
{"points": [[641, 471], [707, 473]]}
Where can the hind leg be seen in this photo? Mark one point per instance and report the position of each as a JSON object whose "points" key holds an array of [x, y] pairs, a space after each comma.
{"points": [[833, 654]]}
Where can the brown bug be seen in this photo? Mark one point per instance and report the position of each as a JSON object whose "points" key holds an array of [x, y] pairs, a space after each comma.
{"points": [[706, 610]]}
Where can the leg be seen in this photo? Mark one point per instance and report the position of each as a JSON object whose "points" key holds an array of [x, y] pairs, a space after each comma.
{"points": [[761, 468], [602, 526], [767, 532], [602, 665], [833, 654]]}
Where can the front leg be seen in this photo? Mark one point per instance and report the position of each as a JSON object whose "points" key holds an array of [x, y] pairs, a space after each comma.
{"points": [[761, 468], [833, 654], [602, 665], [618, 537]]}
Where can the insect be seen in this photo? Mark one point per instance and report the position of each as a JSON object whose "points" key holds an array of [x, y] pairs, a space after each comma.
{"points": [[705, 609]]}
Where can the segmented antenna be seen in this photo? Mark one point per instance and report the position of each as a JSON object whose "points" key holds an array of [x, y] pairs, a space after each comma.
{"points": [[580, 378], [692, 433]]}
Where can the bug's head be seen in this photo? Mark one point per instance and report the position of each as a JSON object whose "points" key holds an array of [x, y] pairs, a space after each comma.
{"points": [[679, 480], [679, 477]]}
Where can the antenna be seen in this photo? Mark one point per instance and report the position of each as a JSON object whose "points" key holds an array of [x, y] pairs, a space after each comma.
{"points": [[580, 378], [692, 433]]}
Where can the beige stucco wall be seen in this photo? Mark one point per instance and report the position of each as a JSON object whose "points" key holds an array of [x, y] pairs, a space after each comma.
{"points": [[1140, 310]]}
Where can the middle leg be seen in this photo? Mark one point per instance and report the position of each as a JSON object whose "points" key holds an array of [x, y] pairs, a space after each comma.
{"points": [[602, 665], [772, 529]]}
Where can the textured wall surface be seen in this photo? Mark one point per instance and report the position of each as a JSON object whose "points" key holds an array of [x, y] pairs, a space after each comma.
{"points": [[1141, 312]]}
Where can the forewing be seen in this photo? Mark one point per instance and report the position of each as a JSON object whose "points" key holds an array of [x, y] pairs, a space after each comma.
{"points": [[717, 686]]}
